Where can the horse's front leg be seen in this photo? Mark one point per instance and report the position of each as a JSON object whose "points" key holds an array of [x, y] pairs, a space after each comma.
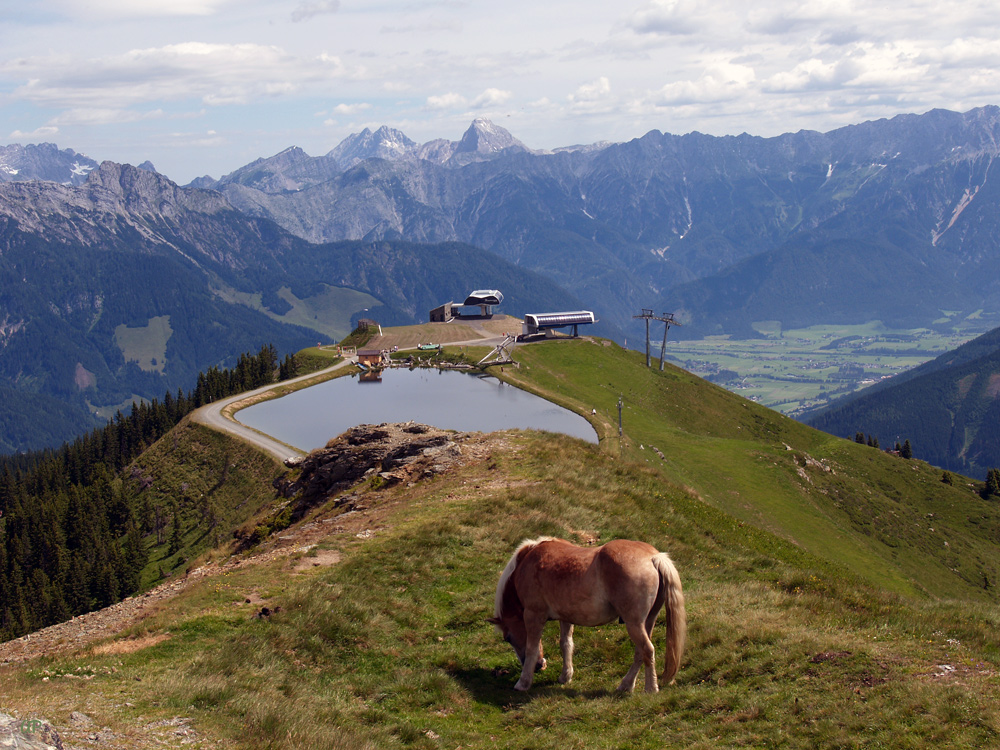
{"points": [[566, 645], [533, 658]]}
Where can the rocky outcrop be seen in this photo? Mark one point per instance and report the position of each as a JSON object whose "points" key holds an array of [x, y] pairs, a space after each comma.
{"points": [[395, 452], [28, 734]]}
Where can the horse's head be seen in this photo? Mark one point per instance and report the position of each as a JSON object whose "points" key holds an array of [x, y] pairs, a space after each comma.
{"points": [[513, 631]]}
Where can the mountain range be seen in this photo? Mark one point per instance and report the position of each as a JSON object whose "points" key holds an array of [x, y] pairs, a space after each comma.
{"points": [[891, 220], [118, 282], [46, 161]]}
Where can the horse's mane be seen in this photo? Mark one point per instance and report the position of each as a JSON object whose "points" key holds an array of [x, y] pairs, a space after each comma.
{"points": [[508, 571]]}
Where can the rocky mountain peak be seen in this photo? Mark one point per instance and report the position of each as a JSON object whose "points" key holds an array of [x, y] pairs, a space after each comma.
{"points": [[116, 188], [484, 137], [114, 194], [384, 143], [43, 161], [287, 171]]}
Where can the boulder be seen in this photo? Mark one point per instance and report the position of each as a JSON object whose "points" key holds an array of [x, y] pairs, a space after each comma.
{"points": [[28, 734]]}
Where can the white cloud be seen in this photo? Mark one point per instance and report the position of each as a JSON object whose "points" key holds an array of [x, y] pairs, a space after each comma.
{"points": [[491, 98], [450, 100], [46, 131], [592, 98], [670, 17], [813, 75], [721, 81], [887, 68], [594, 91], [351, 109], [802, 16], [972, 51], [307, 9], [215, 73]]}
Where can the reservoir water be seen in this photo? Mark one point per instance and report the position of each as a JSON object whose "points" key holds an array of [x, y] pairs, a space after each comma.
{"points": [[449, 399]]}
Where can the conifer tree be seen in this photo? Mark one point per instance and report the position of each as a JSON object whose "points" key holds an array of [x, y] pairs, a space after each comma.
{"points": [[992, 486], [176, 539]]}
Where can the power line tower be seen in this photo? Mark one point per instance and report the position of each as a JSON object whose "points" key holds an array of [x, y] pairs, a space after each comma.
{"points": [[668, 320]]}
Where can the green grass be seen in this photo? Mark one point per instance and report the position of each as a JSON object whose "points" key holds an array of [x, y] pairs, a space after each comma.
{"points": [[328, 312], [315, 359], [146, 345], [821, 607], [390, 647]]}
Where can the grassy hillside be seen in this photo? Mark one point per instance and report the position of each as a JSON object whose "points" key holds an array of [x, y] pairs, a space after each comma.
{"points": [[822, 612], [211, 483], [890, 520]]}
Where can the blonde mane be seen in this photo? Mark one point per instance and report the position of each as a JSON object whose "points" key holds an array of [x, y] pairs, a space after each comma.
{"points": [[508, 571]]}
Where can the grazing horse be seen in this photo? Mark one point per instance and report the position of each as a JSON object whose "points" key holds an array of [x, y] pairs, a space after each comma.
{"points": [[552, 579]]}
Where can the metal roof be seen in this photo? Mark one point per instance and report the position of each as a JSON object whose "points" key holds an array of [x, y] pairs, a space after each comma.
{"points": [[558, 319], [484, 297]]}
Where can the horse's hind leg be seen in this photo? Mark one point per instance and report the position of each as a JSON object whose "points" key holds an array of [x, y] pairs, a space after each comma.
{"points": [[566, 645], [645, 655]]}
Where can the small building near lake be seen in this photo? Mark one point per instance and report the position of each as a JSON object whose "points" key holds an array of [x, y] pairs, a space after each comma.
{"points": [[444, 313], [373, 357]]}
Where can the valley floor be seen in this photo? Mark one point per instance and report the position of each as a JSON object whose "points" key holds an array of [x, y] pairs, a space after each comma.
{"points": [[796, 371]]}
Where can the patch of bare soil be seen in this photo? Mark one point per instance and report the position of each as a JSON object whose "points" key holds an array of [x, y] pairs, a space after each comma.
{"points": [[457, 330], [321, 559], [129, 645]]}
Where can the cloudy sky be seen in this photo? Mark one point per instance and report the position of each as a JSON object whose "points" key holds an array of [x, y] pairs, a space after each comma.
{"points": [[205, 86]]}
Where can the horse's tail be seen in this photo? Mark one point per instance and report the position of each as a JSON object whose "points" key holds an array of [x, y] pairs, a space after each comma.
{"points": [[673, 599]]}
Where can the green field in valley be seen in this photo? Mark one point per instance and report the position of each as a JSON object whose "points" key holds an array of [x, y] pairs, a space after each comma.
{"points": [[796, 370]]}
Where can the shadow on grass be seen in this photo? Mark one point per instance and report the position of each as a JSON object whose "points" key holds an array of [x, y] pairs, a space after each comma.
{"points": [[495, 687]]}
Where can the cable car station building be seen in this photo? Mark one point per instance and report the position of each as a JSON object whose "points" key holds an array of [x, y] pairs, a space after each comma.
{"points": [[535, 323], [487, 300]]}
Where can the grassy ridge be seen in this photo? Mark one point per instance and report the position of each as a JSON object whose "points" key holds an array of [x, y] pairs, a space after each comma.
{"points": [[889, 520], [793, 642]]}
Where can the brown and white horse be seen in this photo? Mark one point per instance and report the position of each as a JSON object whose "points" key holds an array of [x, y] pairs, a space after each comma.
{"points": [[552, 579]]}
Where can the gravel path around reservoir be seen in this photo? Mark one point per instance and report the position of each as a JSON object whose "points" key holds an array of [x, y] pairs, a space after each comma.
{"points": [[217, 415]]}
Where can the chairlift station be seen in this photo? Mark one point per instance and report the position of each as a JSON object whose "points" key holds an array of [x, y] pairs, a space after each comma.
{"points": [[488, 300]]}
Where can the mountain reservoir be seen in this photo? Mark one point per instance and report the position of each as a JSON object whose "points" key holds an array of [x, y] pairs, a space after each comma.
{"points": [[449, 399]]}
